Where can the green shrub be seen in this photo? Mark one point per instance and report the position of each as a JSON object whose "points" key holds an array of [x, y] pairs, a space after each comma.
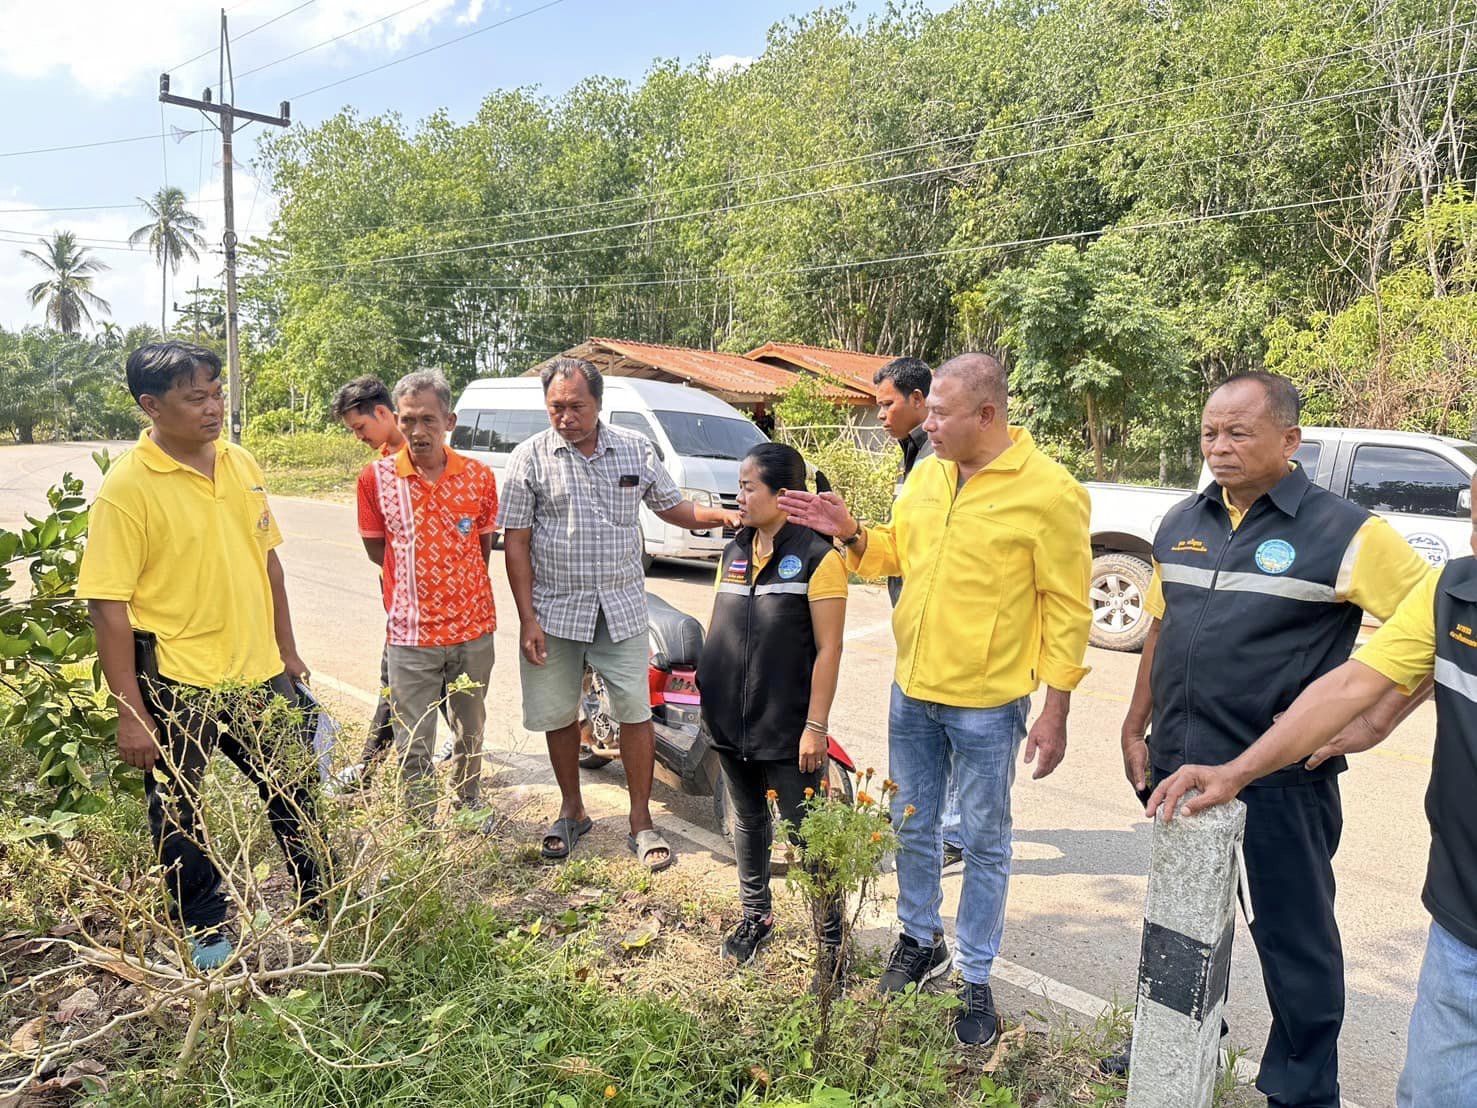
{"points": [[306, 450], [866, 481]]}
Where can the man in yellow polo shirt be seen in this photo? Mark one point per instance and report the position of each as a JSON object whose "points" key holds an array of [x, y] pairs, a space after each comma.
{"points": [[991, 536], [193, 631]]}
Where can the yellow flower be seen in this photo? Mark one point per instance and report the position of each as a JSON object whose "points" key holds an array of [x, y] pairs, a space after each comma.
{"points": [[909, 810], [809, 792], [610, 1092], [863, 799]]}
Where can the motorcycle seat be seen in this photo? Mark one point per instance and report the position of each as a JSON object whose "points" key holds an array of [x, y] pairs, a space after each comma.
{"points": [[674, 634]]}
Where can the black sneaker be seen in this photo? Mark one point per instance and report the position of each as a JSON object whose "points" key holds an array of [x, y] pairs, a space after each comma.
{"points": [[953, 856], [743, 942], [977, 1023], [911, 963], [831, 970]]}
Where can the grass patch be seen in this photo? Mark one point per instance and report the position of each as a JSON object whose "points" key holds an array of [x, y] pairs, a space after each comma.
{"points": [[309, 463]]}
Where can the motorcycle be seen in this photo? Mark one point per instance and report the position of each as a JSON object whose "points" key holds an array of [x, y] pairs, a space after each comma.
{"points": [[685, 758]]}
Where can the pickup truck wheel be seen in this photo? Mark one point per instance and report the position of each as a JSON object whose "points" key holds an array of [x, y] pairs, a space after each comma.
{"points": [[1120, 585]]}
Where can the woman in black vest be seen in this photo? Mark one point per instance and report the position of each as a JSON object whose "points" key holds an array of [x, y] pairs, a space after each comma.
{"points": [[768, 676]]}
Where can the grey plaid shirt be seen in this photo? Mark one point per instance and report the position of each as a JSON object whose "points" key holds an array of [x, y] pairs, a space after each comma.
{"points": [[586, 541]]}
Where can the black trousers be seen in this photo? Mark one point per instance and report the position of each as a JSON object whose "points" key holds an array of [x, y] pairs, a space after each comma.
{"points": [[753, 827], [276, 758], [1292, 833], [381, 737]]}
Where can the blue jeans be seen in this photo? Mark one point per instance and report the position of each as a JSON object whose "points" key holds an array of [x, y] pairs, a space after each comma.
{"points": [[950, 818], [924, 740], [1441, 1053]]}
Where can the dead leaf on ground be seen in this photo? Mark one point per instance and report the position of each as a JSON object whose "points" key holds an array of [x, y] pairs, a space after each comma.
{"points": [[639, 937], [83, 1002], [86, 1074], [126, 970], [1007, 1042], [27, 1038], [583, 898]]}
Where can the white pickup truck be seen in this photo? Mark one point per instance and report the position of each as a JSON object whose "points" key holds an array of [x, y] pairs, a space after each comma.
{"points": [[1420, 483]]}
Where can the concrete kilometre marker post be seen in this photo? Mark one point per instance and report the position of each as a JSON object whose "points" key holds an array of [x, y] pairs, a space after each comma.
{"points": [[1189, 919]]}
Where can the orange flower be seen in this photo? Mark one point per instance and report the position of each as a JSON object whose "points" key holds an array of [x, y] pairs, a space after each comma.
{"points": [[771, 795], [870, 773], [909, 810], [863, 799], [825, 785], [610, 1092], [876, 836], [809, 792]]}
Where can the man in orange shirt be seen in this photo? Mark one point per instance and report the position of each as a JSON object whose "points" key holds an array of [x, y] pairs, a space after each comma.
{"points": [[365, 408], [437, 512]]}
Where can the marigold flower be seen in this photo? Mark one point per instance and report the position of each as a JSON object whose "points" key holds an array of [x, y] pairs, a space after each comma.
{"points": [[870, 773], [863, 799], [825, 785], [809, 792], [909, 810], [876, 836], [610, 1092], [771, 795]]}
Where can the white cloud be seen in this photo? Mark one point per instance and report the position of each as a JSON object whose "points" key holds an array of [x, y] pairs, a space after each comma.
{"points": [[131, 283], [728, 63], [109, 46]]}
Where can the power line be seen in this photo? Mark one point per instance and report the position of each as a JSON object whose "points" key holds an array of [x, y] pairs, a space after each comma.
{"points": [[89, 145], [83, 208], [851, 185], [243, 34], [335, 38], [430, 49]]}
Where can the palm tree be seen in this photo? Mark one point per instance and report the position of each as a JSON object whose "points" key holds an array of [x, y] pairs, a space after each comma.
{"points": [[173, 234], [67, 290]]}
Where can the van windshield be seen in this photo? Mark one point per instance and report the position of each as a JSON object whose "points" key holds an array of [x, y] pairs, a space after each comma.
{"points": [[706, 436]]}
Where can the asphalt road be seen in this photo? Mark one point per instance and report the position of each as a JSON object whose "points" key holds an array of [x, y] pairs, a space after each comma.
{"points": [[1081, 842]]}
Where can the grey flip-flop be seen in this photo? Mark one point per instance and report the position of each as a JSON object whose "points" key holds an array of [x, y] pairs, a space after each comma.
{"points": [[568, 832], [644, 843]]}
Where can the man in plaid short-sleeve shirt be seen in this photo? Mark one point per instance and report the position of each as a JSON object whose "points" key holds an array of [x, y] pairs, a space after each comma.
{"points": [[571, 498]]}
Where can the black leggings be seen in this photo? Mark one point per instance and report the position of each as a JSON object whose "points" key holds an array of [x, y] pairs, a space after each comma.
{"points": [[753, 827]]}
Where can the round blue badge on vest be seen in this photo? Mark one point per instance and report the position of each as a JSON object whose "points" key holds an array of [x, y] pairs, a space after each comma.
{"points": [[1275, 556], [790, 566]]}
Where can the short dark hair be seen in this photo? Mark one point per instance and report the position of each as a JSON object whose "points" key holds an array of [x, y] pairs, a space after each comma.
{"points": [[362, 395], [159, 366], [1284, 402], [908, 375], [568, 367]]}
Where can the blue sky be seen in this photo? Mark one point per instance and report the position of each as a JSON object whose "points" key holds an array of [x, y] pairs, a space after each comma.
{"points": [[79, 71]]}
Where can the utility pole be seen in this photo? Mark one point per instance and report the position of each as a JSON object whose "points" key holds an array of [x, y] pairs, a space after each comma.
{"points": [[228, 114]]}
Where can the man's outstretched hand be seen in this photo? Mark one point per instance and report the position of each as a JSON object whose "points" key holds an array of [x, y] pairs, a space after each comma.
{"points": [[1217, 785], [824, 512]]}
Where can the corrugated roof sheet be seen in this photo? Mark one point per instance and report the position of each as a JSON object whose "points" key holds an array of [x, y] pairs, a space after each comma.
{"points": [[848, 366], [734, 377]]}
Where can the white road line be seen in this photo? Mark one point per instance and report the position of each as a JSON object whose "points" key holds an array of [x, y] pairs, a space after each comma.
{"points": [[867, 629], [1049, 989]]}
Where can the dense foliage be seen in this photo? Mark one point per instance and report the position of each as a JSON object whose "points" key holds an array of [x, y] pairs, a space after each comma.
{"points": [[66, 386], [1131, 198]]}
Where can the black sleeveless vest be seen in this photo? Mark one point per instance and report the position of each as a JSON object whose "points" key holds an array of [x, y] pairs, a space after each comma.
{"points": [[757, 661], [1251, 618], [1450, 894]]}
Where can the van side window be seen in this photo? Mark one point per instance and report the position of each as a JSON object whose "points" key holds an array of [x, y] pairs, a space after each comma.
{"points": [[635, 421], [466, 426], [1401, 479]]}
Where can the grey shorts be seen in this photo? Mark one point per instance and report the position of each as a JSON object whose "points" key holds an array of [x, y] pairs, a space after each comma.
{"points": [[551, 692]]}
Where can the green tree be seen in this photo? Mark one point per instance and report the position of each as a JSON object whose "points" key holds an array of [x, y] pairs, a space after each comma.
{"points": [[67, 290], [173, 234], [1090, 343]]}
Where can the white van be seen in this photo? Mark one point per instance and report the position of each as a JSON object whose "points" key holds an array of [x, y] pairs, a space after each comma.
{"points": [[699, 438]]}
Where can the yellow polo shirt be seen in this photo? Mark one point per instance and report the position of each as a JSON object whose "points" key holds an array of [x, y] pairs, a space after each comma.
{"points": [[997, 576], [189, 557], [1384, 570], [1404, 648]]}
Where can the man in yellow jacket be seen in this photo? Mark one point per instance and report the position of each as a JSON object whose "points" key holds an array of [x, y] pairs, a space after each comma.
{"points": [[992, 537]]}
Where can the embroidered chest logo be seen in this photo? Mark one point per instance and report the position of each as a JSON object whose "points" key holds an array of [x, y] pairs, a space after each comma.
{"points": [[264, 522], [789, 567], [737, 573], [1189, 546], [1463, 634], [1275, 556]]}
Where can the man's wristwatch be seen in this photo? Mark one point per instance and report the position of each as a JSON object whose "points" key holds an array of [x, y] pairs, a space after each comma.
{"points": [[856, 536]]}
